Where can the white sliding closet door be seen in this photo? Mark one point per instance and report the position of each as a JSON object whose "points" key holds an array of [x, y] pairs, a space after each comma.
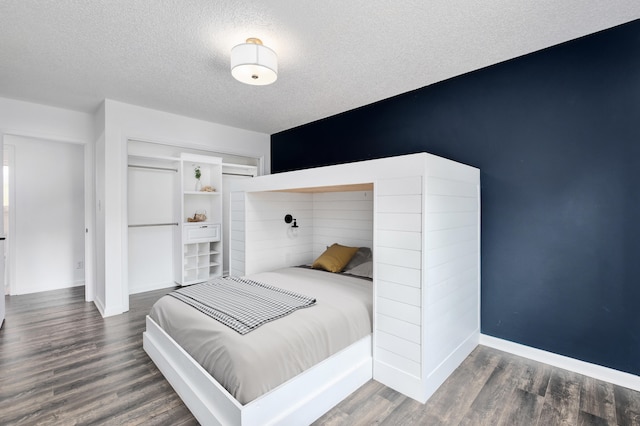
{"points": [[151, 200]]}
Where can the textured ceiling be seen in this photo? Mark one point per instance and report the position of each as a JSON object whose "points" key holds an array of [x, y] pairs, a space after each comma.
{"points": [[173, 55]]}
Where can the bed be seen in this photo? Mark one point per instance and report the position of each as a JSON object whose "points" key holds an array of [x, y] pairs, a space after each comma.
{"points": [[420, 214], [290, 370]]}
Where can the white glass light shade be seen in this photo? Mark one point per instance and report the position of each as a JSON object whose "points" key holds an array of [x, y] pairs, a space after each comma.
{"points": [[253, 63]]}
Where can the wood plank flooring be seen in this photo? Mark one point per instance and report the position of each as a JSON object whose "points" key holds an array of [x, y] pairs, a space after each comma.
{"points": [[61, 363]]}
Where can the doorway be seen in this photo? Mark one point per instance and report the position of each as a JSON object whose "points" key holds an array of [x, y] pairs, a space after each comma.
{"points": [[44, 214], [8, 159]]}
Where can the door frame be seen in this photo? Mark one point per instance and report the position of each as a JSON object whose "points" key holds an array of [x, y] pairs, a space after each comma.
{"points": [[89, 210], [9, 157]]}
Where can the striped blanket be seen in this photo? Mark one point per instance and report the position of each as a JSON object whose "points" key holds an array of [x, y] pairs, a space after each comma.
{"points": [[241, 304]]}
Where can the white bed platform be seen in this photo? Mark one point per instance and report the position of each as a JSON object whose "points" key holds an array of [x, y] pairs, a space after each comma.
{"points": [[299, 401], [423, 222]]}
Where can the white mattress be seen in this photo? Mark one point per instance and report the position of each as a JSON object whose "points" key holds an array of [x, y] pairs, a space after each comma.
{"points": [[252, 364]]}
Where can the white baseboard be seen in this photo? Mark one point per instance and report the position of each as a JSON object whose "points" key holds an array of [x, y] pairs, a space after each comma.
{"points": [[98, 304], [42, 287], [596, 371], [117, 310]]}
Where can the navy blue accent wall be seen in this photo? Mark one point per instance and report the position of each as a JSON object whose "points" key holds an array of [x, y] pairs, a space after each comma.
{"points": [[556, 135]]}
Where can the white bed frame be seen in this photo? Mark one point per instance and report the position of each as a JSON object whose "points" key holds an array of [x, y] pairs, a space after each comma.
{"points": [[426, 288], [299, 401]]}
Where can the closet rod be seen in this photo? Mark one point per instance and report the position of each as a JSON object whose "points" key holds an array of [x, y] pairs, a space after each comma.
{"points": [[154, 224], [153, 168], [237, 174]]}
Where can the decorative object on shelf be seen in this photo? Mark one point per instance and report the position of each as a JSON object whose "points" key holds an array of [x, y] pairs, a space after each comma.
{"points": [[198, 175], [255, 64], [198, 217], [208, 188]]}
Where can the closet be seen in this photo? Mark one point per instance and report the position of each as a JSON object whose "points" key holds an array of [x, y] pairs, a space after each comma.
{"points": [[176, 222], [152, 217]]}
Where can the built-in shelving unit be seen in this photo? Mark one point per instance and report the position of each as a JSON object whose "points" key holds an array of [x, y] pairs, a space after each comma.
{"points": [[201, 261], [200, 230]]}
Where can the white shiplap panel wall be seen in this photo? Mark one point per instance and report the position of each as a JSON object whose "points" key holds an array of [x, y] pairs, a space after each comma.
{"points": [[342, 217], [398, 293], [270, 242], [451, 266], [261, 240], [237, 230]]}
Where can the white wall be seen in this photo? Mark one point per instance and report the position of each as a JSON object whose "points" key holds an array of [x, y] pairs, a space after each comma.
{"points": [[273, 244], [49, 214], [342, 217], [323, 219], [19, 118], [97, 190], [237, 232], [124, 122], [45, 122]]}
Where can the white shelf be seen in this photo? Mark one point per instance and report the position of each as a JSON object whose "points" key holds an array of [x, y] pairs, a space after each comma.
{"points": [[201, 261], [200, 223], [200, 254], [201, 193]]}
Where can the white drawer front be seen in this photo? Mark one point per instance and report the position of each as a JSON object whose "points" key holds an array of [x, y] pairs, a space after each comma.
{"points": [[201, 233]]}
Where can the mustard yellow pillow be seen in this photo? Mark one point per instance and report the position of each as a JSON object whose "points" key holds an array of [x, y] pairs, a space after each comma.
{"points": [[335, 258]]}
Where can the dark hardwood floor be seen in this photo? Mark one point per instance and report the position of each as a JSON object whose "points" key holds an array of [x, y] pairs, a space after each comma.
{"points": [[61, 363]]}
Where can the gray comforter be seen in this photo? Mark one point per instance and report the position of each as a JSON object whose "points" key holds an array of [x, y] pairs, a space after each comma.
{"points": [[252, 364]]}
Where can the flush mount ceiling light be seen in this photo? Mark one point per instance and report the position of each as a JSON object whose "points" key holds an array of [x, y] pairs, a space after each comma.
{"points": [[253, 63]]}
